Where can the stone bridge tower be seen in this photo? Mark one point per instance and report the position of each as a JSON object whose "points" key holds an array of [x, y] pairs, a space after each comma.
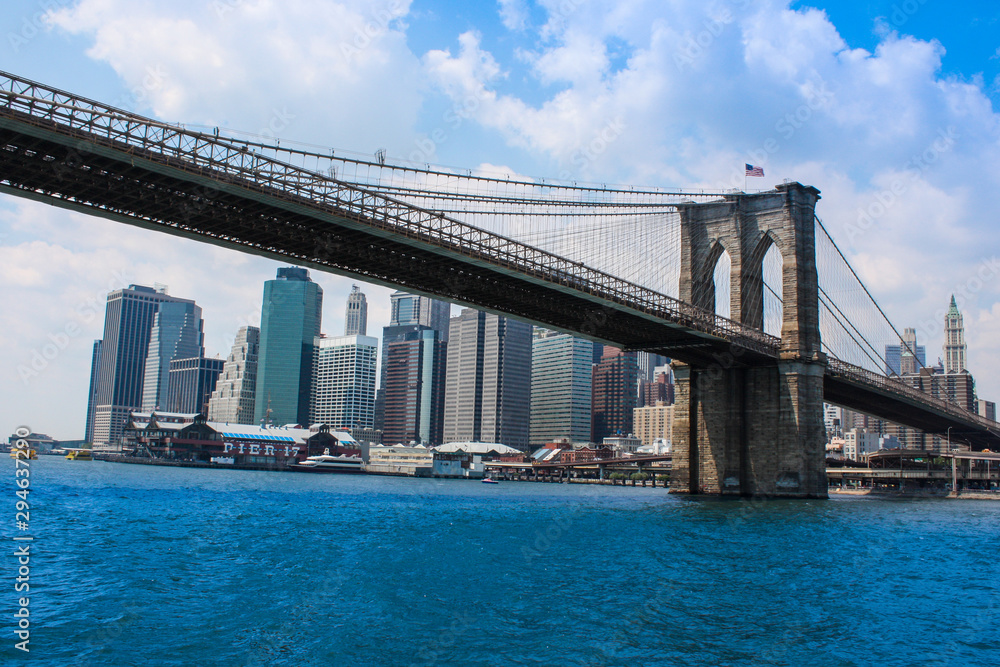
{"points": [[743, 429]]}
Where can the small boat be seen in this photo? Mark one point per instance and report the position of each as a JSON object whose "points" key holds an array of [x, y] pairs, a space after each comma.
{"points": [[489, 480], [326, 462], [79, 455], [22, 454]]}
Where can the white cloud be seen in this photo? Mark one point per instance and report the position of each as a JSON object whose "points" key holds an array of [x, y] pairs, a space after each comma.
{"points": [[466, 74], [562, 127], [718, 82], [580, 59], [334, 72], [513, 13]]}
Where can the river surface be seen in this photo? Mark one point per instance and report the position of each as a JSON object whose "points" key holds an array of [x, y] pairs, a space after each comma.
{"points": [[141, 565]]}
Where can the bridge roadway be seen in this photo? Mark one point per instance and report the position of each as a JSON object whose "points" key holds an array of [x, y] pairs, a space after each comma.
{"points": [[81, 155]]}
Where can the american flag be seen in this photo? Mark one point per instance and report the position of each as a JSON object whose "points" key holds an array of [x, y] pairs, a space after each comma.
{"points": [[755, 171]]}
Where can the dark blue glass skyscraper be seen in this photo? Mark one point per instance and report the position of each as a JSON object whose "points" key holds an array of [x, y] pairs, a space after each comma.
{"points": [[120, 373], [178, 333], [95, 373]]}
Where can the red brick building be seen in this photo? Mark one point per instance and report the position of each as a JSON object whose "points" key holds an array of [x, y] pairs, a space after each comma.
{"points": [[614, 390]]}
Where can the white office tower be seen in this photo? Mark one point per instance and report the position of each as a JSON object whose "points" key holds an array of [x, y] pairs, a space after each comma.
{"points": [[343, 382]]}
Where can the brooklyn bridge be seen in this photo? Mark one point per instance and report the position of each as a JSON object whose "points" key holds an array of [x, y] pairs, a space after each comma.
{"points": [[749, 295]]}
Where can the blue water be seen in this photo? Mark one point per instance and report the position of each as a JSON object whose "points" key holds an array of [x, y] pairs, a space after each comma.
{"points": [[135, 565]]}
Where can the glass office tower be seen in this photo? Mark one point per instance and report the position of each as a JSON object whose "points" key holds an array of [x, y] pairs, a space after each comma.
{"points": [[290, 321]]}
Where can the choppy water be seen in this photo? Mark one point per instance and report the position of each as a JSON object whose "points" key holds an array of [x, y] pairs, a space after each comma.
{"points": [[134, 565]]}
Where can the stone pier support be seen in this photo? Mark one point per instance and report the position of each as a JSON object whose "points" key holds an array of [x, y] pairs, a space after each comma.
{"points": [[753, 430]]}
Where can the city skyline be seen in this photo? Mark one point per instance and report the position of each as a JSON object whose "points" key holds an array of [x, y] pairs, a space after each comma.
{"points": [[891, 114], [189, 307], [341, 304], [338, 371]]}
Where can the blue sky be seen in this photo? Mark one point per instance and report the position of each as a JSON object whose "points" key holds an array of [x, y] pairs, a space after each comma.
{"points": [[697, 87], [968, 30]]}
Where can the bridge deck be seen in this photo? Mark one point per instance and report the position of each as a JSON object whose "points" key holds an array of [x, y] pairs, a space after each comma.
{"points": [[863, 391], [85, 156], [354, 233]]}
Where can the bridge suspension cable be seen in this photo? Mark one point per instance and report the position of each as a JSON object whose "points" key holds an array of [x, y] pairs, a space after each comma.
{"points": [[381, 172], [631, 232], [854, 327]]}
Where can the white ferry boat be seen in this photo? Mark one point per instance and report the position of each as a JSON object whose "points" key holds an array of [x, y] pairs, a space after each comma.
{"points": [[326, 462]]}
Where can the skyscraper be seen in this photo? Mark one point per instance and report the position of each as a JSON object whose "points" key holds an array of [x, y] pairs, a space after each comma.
{"points": [[652, 423], [178, 333], [356, 319], [191, 383], [416, 309], [950, 382], [614, 394], [95, 372], [390, 334], [409, 313], [463, 394], [414, 388], [128, 324], [234, 396], [954, 341], [489, 371], [560, 387], [906, 357], [343, 382], [598, 353], [506, 382], [833, 420], [290, 321]]}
